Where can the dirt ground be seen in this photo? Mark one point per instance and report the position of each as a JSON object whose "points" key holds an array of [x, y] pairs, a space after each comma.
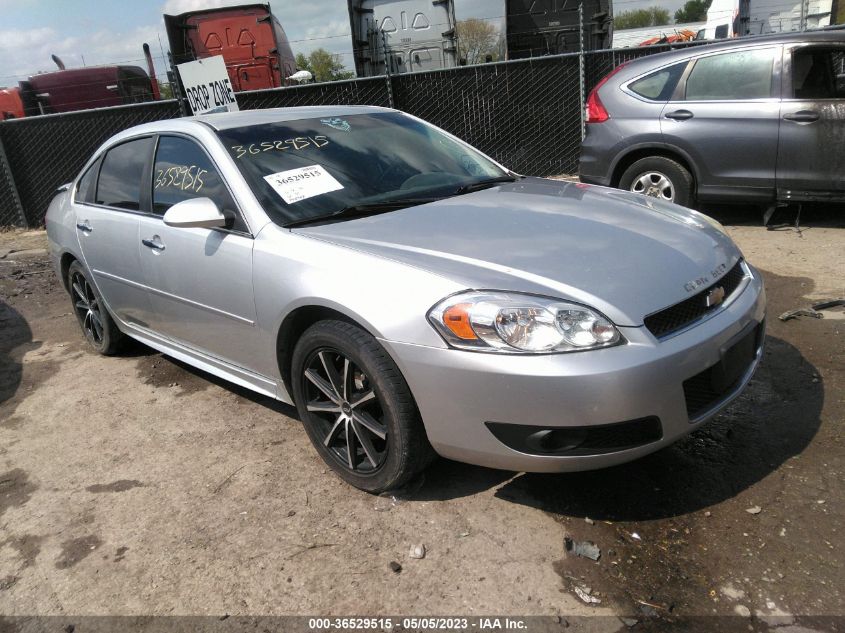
{"points": [[136, 485]]}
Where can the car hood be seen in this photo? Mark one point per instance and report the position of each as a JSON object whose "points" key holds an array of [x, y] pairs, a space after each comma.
{"points": [[624, 254]]}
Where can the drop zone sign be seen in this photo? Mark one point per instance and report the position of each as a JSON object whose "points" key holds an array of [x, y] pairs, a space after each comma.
{"points": [[207, 86]]}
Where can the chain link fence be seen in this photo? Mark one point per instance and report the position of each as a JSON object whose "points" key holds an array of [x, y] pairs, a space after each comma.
{"points": [[11, 209], [527, 114], [368, 91], [47, 151]]}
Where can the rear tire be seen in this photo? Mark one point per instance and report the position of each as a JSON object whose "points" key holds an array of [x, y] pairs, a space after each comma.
{"points": [[659, 177], [93, 317], [357, 408]]}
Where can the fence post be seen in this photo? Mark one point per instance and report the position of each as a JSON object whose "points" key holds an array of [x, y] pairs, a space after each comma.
{"points": [[7, 175], [387, 78], [176, 86], [581, 86]]}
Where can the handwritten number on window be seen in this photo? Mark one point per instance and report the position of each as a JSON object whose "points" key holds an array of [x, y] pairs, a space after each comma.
{"points": [[182, 177]]}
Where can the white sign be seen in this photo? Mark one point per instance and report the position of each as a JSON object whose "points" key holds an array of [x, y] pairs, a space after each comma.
{"points": [[299, 184], [207, 86]]}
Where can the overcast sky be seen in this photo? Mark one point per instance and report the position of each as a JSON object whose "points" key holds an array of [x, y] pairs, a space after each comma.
{"points": [[109, 31]]}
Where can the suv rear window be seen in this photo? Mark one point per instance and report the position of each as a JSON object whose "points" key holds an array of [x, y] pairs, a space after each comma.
{"points": [[732, 76], [659, 85]]}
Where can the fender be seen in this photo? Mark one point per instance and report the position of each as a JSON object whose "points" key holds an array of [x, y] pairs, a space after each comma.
{"points": [[661, 147]]}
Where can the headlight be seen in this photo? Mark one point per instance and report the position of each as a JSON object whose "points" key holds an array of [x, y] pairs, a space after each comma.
{"points": [[516, 323]]}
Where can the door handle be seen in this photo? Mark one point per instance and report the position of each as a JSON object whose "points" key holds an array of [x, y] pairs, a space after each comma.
{"points": [[802, 116], [154, 243], [679, 115], [84, 226]]}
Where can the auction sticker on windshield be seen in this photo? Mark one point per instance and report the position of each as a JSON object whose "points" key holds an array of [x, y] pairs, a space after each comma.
{"points": [[294, 185]]}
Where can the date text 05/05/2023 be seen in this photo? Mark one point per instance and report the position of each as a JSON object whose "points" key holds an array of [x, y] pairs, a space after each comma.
{"points": [[430, 623]]}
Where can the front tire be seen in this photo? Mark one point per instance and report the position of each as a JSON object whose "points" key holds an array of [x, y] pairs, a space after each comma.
{"points": [[97, 325], [357, 408], [659, 177]]}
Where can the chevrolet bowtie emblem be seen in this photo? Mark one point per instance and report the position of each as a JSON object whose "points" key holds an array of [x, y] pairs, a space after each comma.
{"points": [[715, 297]]}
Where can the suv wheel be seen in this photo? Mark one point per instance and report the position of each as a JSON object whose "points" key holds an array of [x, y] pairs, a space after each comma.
{"points": [[357, 408], [659, 177]]}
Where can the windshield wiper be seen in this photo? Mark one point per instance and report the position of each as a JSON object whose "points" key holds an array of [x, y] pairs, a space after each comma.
{"points": [[361, 210], [481, 184]]}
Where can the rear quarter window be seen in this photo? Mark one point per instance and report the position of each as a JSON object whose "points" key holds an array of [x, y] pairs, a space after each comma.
{"points": [[659, 85], [85, 186]]}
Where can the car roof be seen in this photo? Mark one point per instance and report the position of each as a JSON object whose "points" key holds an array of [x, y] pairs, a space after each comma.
{"points": [[244, 118], [833, 34], [227, 120]]}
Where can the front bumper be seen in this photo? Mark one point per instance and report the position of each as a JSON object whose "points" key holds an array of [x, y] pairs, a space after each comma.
{"points": [[459, 392]]}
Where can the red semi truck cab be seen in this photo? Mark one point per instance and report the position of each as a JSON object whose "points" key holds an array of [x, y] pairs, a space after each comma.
{"points": [[250, 39], [11, 106], [86, 88]]}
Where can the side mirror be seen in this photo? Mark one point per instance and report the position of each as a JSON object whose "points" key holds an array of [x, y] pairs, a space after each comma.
{"points": [[195, 213]]}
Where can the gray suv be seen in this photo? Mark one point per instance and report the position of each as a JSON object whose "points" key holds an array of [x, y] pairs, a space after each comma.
{"points": [[758, 120]]}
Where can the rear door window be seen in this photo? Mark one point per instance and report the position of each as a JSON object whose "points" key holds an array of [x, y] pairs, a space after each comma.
{"points": [[818, 73], [123, 169], [659, 85], [734, 76]]}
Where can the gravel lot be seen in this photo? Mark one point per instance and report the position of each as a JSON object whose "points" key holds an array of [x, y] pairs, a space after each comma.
{"points": [[136, 485]]}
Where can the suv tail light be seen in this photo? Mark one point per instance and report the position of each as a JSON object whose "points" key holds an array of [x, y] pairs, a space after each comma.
{"points": [[594, 110]]}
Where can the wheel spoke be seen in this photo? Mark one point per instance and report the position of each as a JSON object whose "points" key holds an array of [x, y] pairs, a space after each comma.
{"points": [[330, 438], [335, 398], [321, 384], [371, 424], [78, 290], [323, 407], [351, 452], [97, 328], [81, 305], [365, 397], [365, 443], [86, 322], [331, 374]]}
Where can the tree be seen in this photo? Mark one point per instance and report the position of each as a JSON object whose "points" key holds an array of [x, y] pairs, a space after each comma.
{"points": [[165, 89], [476, 40], [302, 62], [640, 18], [692, 11], [325, 66]]}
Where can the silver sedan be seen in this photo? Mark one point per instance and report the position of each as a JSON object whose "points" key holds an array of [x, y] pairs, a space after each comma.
{"points": [[410, 296]]}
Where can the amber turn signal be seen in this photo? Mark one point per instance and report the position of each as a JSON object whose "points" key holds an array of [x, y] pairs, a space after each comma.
{"points": [[456, 318]]}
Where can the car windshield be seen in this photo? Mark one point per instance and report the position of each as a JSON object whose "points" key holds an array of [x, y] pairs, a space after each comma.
{"points": [[314, 168]]}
